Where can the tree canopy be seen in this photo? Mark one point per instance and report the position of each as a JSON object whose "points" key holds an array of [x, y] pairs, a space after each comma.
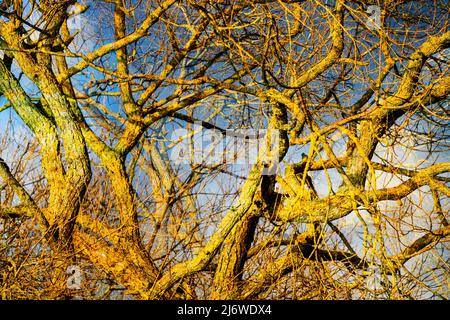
{"points": [[124, 149]]}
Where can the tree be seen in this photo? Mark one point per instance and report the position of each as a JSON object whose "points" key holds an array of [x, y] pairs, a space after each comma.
{"points": [[349, 200]]}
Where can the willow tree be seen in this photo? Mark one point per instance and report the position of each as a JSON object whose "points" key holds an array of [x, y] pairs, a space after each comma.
{"points": [[350, 202]]}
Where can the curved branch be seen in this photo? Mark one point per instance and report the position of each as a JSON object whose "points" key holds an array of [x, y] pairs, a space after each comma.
{"points": [[424, 243], [341, 204], [29, 207]]}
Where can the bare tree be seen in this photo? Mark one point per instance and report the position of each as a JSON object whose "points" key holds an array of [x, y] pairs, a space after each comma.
{"points": [[350, 202]]}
